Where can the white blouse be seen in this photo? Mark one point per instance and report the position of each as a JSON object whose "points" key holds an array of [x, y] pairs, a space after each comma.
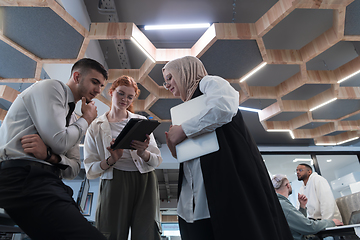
{"points": [[98, 138]]}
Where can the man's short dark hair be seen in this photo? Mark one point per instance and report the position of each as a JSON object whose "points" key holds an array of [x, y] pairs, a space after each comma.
{"points": [[85, 64], [306, 165]]}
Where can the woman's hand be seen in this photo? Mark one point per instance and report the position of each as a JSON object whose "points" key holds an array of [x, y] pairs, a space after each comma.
{"points": [[170, 146], [141, 148], [115, 156], [176, 134]]}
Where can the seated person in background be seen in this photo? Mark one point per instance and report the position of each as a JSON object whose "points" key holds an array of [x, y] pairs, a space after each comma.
{"points": [[298, 222]]}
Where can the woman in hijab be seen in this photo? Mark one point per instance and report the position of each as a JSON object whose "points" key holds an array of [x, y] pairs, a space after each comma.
{"points": [[226, 193], [129, 191]]}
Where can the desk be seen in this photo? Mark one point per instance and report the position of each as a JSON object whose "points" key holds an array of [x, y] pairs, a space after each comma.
{"points": [[346, 230]]}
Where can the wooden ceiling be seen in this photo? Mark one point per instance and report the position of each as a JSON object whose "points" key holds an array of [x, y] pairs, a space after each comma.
{"points": [[322, 135]]}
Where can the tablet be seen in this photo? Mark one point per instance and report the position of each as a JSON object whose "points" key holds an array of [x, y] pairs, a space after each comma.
{"points": [[135, 129]]}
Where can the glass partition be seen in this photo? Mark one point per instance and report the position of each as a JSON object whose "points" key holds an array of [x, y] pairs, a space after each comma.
{"points": [[342, 173], [286, 164]]}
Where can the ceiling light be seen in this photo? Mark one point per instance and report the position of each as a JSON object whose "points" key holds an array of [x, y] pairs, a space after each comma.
{"points": [[176, 26], [250, 109], [253, 71], [278, 130], [325, 144], [339, 143], [171, 233], [302, 160], [331, 100], [329, 160], [142, 49], [348, 140], [292, 134], [282, 130], [351, 75]]}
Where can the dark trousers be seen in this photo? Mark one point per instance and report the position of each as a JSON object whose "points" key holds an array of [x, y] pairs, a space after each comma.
{"points": [[42, 205], [198, 230]]}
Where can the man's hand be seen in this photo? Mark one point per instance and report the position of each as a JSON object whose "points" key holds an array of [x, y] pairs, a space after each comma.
{"points": [[337, 222], [34, 145], [88, 110], [302, 200]]}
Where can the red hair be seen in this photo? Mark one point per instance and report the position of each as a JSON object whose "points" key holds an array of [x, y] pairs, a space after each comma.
{"points": [[128, 82]]}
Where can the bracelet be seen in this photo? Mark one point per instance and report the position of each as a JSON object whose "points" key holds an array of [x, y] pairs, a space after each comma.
{"points": [[107, 162]]}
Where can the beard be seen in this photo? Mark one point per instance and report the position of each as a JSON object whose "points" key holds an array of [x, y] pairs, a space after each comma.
{"points": [[84, 91], [301, 178]]}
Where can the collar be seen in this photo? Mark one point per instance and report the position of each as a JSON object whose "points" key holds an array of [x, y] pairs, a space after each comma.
{"points": [[311, 175], [103, 118], [70, 94]]}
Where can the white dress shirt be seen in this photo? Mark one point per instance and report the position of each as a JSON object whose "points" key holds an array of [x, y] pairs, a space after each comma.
{"points": [[222, 102], [42, 109], [98, 138], [321, 203]]}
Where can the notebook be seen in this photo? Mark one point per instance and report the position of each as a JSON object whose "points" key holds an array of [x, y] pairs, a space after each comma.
{"points": [[198, 146]]}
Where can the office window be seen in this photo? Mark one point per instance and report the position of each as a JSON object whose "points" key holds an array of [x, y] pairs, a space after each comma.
{"points": [[342, 173], [286, 164]]}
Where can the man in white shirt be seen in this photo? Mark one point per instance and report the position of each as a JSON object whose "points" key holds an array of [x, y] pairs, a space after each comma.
{"points": [[39, 146], [321, 203]]}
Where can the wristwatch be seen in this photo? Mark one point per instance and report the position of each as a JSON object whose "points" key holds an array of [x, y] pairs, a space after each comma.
{"points": [[49, 153]]}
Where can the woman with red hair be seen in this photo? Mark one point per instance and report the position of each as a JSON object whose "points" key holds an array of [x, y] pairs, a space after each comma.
{"points": [[129, 191]]}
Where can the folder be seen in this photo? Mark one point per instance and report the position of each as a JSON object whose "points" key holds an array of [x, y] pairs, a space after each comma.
{"points": [[197, 146]]}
